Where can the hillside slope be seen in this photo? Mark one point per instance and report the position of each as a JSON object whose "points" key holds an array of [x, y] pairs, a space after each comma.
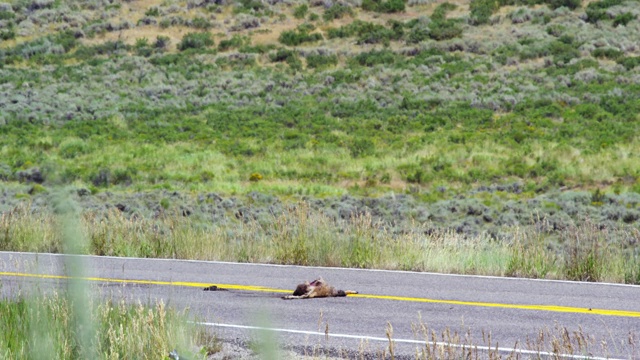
{"points": [[466, 116]]}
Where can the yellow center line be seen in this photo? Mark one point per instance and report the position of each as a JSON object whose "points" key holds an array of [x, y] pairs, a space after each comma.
{"points": [[552, 308]]}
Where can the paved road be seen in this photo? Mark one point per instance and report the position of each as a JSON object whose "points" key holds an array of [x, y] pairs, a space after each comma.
{"points": [[512, 310]]}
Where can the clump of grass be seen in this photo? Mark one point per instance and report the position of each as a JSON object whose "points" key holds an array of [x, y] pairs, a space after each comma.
{"points": [[548, 342], [32, 326]]}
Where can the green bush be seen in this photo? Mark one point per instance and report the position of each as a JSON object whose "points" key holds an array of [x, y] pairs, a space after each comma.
{"points": [[288, 56], [162, 42], [607, 53], [629, 62], [596, 10], [235, 42], [623, 19], [71, 148], [153, 11], [376, 57], [563, 52], [354, 28], [419, 32], [7, 15], [571, 4], [195, 41], [298, 36], [362, 147], [201, 23], [368, 33], [7, 35], [481, 11], [301, 11], [251, 6], [389, 6], [440, 12], [321, 61], [337, 11], [442, 28]]}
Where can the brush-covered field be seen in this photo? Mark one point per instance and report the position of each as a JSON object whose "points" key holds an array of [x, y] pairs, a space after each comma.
{"points": [[484, 136]]}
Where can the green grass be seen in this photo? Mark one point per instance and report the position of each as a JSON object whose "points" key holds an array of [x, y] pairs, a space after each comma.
{"points": [[31, 326], [200, 166]]}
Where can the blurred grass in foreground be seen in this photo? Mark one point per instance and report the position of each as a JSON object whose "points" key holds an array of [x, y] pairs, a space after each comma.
{"points": [[36, 325]]}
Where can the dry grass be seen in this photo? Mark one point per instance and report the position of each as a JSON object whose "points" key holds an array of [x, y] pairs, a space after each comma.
{"points": [[302, 236]]}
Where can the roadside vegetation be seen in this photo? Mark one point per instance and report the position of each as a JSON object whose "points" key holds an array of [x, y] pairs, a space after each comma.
{"points": [[495, 137], [32, 326], [301, 236]]}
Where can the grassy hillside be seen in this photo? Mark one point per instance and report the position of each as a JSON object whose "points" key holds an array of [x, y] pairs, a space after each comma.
{"points": [[474, 116]]}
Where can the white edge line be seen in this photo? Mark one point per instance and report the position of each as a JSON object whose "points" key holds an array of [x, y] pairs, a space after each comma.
{"points": [[333, 268], [406, 341]]}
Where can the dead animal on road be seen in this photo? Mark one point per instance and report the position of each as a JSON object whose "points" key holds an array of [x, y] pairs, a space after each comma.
{"points": [[316, 289]]}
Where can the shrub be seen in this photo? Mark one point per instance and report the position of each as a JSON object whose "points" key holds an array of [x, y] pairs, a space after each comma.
{"points": [[571, 4], [142, 47], [7, 35], [608, 53], [419, 32], [442, 28], [162, 42], [201, 23], [288, 56], [379, 34], [301, 11], [362, 147], [392, 6], [481, 11], [195, 41], [629, 62], [254, 6], [73, 147], [440, 12], [376, 57], [596, 10], [298, 36], [7, 15], [152, 12], [355, 28], [5, 172], [367, 33], [321, 61], [623, 19], [562, 51], [235, 42], [337, 11], [255, 177], [389, 6]]}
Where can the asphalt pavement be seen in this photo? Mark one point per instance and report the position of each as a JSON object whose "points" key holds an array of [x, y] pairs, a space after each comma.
{"points": [[513, 311]]}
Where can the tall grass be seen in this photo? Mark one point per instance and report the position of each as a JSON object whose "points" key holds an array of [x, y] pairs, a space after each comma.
{"points": [[302, 236], [33, 326]]}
